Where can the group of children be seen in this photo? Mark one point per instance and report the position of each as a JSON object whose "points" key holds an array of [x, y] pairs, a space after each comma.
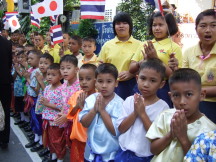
{"points": [[72, 104]]}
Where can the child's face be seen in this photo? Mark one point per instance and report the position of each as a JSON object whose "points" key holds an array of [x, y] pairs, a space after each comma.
{"points": [[87, 79], [44, 64], [159, 28], [33, 60], [74, 46], [16, 37], [206, 30], [18, 50], [66, 39], [21, 58], [149, 81], [32, 38], [187, 96], [105, 84], [39, 41], [26, 49], [88, 48], [68, 70], [53, 76]]}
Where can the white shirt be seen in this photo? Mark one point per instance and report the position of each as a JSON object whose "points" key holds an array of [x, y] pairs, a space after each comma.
{"points": [[134, 138]]}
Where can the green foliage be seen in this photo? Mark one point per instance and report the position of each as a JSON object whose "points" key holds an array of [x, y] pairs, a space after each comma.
{"points": [[70, 4], [24, 21], [139, 16], [87, 29]]}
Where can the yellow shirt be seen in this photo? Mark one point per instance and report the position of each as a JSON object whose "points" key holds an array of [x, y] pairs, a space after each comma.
{"points": [[161, 126], [164, 48], [93, 60], [54, 52], [119, 53], [206, 67], [67, 52]]}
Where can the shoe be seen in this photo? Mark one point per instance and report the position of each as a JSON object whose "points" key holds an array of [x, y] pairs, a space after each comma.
{"points": [[48, 159], [30, 134], [27, 129], [19, 122], [44, 152], [31, 138], [4, 145], [36, 148], [24, 124], [31, 144]]}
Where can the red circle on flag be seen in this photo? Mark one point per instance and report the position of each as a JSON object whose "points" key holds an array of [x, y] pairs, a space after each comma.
{"points": [[41, 10], [53, 5], [14, 23]]}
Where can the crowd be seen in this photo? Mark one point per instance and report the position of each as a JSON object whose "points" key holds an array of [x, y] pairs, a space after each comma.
{"points": [[135, 101]]}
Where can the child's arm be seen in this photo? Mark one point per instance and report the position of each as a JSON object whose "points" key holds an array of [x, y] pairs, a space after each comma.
{"points": [[104, 115], [46, 103], [26, 74], [79, 103], [179, 127], [88, 118]]}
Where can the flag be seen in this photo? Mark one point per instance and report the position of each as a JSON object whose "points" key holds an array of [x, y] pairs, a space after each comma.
{"points": [[92, 9], [56, 34], [10, 14], [54, 19], [4, 20], [13, 23], [10, 5], [157, 4], [47, 8], [35, 22]]}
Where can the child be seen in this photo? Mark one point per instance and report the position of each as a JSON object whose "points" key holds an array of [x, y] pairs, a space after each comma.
{"points": [[173, 131], [39, 41], [99, 115], [88, 47], [28, 47], [33, 61], [69, 69], [139, 111], [75, 44], [53, 103], [45, 61], [160, 47], [76, 102]]}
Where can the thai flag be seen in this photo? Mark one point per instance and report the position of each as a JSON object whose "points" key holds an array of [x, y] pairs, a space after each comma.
{"points": [[10, 14], [92, 9], [35, 22], [157, 4], [54, 18], [56, 34], [4, 20]]}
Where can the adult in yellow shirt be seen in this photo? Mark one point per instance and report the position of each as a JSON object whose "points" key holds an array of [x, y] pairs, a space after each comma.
{"points": [[119, 52], [202, 58]]}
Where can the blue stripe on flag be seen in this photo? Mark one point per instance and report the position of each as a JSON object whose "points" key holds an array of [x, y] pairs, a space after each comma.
{"points": [[93, 8]]}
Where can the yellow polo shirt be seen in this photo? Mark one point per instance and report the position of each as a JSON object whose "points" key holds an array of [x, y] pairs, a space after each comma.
{"points": [[67, 52], [119, 53], [164, 48], [206, 67], [54, 52], [93, 60]]}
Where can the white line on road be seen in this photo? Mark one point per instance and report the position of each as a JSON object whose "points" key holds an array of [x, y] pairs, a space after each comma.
{"points": [[22, 138]]}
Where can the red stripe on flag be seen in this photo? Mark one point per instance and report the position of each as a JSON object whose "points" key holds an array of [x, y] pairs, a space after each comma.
{"points": [[92, 17], [35, 24], [58, 41], [160, 7], [94, 0], [55, 27]]}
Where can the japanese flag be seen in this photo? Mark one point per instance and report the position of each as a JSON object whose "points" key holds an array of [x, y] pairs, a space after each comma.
{"points": [[13, 23], [47, 8]]}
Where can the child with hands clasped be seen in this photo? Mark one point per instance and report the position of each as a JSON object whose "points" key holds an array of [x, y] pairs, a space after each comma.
{"points": [[76, 102], [139, 111], [99, 115], [174, 130], [53, 104]]}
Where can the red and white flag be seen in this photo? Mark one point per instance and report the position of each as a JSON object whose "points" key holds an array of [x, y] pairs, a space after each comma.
{"points": [[56, 34], [47, 8], [13, 23]]}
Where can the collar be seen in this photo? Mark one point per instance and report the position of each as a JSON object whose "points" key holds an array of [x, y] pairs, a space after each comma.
{"points": [[94, 58], [200, 53], [130, 40]]}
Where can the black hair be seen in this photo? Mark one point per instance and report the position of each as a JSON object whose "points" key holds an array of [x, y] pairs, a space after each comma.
{"points": [[170, 20], [89, 66], [54, 66], [20, 53], [185, 75], [48, 57], [209, 12], [78, 39], [173, 6], [154, 64], [89, 39], [38, 53], [123, 17], [39, 34], [69, 58], [107, 68], [16, 32]]}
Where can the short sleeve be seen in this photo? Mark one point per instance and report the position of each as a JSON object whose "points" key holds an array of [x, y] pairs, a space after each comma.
{"points": [[34, 82], [185, 62], [138, 56], [102, 54], [178, 55], [72, 103]]}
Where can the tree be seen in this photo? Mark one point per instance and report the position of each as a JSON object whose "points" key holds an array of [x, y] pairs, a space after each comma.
{"points": [[139, 13]]}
